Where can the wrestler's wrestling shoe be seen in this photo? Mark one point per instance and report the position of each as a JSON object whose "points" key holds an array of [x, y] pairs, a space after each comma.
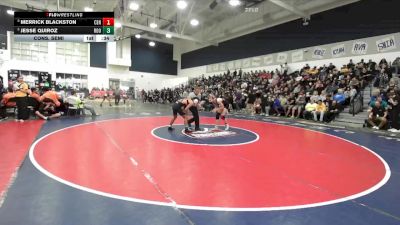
{"points": [[170, 128], [227, 127]]}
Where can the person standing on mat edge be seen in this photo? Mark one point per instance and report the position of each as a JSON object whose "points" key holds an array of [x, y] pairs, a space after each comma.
{"points": [[181, 107], [21, 96], [194, 95]]}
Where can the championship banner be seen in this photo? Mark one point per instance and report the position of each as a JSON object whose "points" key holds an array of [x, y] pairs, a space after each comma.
{"points": [[338, 51], [282, 57], [268, 60], [386, 44], [359, 48], [297, 56], [318, 53], [256, 61]]}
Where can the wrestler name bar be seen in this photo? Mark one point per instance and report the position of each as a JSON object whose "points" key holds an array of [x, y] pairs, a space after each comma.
{"points": [[106, 30], [33, 22]]}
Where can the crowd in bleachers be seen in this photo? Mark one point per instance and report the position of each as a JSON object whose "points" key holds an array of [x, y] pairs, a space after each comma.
{"points": [[317, 93]]}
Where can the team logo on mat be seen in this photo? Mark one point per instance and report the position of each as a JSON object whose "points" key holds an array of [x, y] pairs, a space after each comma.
{"points": [[207, 136], [210, 133]]}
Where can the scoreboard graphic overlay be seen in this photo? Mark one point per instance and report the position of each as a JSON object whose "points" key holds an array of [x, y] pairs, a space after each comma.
{"points": [[64, 26]]}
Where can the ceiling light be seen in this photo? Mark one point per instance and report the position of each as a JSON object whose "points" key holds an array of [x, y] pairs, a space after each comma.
{"points": [[152, 44], [88, 9], [134, 6], [234, 2], [118, 24], [153, 25], [10, 11], [137, 36], [168, 35], [181, 4], [194, 22]]}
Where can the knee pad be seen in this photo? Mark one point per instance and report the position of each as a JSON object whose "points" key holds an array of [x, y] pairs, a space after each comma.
{"points": [[217, 116]]}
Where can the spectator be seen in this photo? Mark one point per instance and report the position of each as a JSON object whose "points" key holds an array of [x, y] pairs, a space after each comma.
{"points": [[47, 111], [277, 107], [339, 97], [238, 99], [74, 100], [291, 102], [21, 94], [378, 114], [394, 111], [315, 97], [319, 111], [299, 105], [379, 99], [333, 111], [309, 109], [5, 102], [257, 104], [50, 95], [117, 96]]}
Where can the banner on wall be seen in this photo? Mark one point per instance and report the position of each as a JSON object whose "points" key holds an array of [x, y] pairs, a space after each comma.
{"points": [[318, 53], [338, 50], [256, 61], [359, 48], [297, 56], [386, 44], [282, 57], [268, 60], [246, 63]]}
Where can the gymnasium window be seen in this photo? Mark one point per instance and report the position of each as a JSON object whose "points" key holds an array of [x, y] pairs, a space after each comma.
{"points": [[72, 53], [30, 51]]}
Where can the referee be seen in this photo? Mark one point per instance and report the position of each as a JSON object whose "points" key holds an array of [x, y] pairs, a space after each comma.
{"points": [[194, 95], [21, 96]]}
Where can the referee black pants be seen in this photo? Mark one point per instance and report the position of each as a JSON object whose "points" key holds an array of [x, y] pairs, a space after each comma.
{"points": [[195, 118]]}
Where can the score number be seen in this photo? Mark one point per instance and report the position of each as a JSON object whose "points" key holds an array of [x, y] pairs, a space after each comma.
{"points": [[108, 25], [108, 21]]}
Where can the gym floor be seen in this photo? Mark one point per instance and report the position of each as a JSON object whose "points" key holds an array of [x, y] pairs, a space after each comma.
{"points": [[125, 167]]}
